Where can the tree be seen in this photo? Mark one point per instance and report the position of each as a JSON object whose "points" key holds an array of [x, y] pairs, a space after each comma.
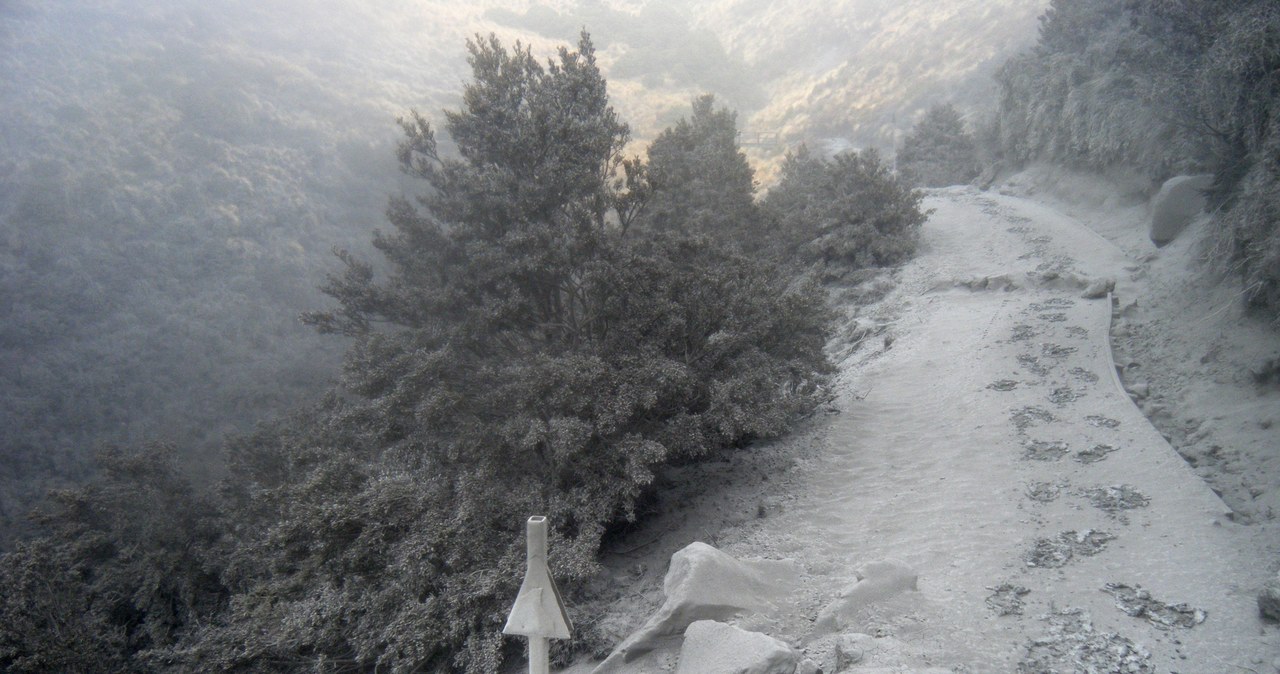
{"points": [[939, 150], [845, 213], [700, 180]]}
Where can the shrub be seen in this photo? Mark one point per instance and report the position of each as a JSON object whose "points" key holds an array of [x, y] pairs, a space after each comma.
{"points": [[128, 566], [847, 212], [939, 151]]}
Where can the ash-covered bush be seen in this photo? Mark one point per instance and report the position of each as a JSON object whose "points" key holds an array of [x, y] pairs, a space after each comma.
{"points": [[939, 151], [1240, 106], [1248, 237], [848, 212], [129, 565], [697, 181], [1095, 91]]}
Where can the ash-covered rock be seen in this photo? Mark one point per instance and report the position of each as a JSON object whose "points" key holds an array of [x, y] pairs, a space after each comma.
{"points": [[1032, 364], [1043, 492], [1043, 450], [1029, 416], [1269, 599], [1051, 350], [1099, 421], [1138, 603], [1072, 645], [1084, 375], [1006, 599], [1115, 498], [1063, 395], [1053, 553], [1095, 453]]}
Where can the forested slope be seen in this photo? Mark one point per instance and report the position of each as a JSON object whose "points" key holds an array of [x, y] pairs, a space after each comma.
{"points": [[1166, 88], [549, 324], [175, 176]]}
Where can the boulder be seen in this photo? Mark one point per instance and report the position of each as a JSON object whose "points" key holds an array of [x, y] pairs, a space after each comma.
{"points": [[1179, 200], [808, 666], [877, 582], [1098, 289], [712, 647], [704, 583], [849, 650]]}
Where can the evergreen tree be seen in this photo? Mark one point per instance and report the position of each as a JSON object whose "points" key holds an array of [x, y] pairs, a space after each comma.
{"points": [[939, 150], [700, 180], [848, 212], [1164, 88]]}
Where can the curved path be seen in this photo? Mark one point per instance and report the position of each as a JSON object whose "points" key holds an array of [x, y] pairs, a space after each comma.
{"points": [[991, 449]]}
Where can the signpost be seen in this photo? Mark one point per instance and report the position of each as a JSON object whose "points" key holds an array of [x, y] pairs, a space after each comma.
{"points": [[539, 611]]}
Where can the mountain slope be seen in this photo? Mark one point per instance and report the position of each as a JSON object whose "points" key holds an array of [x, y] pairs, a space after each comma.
{"points": [[176, 175]]}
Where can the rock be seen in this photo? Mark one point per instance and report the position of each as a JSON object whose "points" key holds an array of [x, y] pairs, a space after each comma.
{"points": [[808, 666], [850, 650], [837, 653], [712, 647], [1269, 599], [1098, 289], [704, 583], [1179, 200], [877, 582], [1140, 389]]}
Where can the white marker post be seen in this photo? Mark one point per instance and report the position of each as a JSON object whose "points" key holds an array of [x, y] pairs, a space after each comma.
{"points": [[538, 612]]}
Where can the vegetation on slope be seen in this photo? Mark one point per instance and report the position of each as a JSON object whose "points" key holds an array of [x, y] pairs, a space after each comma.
{"points": [[553, 325], [939, 151], [1166, 87], [845, 213], [176, 174]]}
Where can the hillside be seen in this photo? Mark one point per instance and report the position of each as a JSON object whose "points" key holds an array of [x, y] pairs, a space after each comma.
{"points": [[983, 440], [176, 176]]}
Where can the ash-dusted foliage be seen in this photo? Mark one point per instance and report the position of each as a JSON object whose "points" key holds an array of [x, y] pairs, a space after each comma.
{"points": [[526, 354], [698, 180], [1096, 90], [939, 151], [129, 565], [848, 212], [1165, 87]]}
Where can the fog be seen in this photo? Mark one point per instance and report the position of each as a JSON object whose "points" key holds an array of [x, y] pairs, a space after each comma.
{"points": [[175, 175]]}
